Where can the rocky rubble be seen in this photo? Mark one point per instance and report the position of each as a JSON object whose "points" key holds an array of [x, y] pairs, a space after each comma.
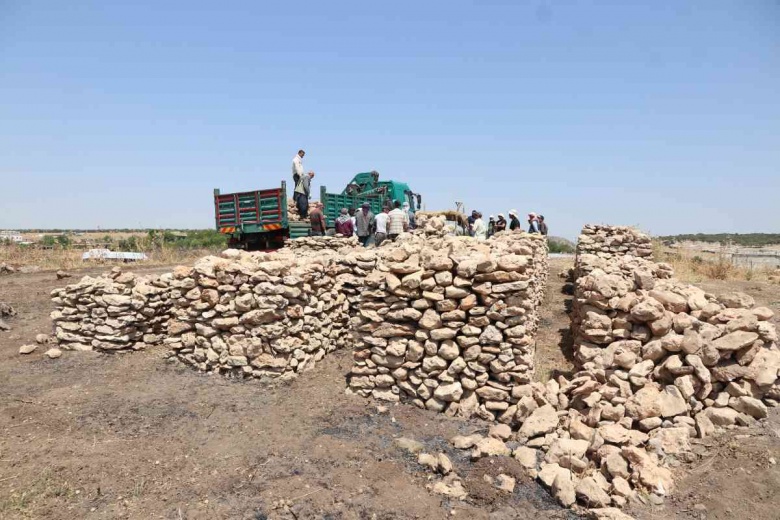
{"points": [[324, 243], [448, 324], [292, 212], [117, 311], [266, 315]]}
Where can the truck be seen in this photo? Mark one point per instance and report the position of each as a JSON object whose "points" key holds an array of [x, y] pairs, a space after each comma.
{"points": [[258, 220]]}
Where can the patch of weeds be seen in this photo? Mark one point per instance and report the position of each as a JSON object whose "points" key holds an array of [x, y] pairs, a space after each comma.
{"points": [[46, 486]]}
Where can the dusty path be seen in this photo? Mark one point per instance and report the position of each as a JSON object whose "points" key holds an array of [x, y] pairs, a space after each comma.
{"points": [[553, 341]]}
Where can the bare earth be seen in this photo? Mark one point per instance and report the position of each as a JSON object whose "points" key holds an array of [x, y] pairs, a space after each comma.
{"points": [[134, 436]]}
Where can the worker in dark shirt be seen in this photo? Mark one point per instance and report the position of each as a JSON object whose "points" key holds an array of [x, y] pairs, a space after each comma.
{"points": [[317, 220], [514, 222], [542, 225]]}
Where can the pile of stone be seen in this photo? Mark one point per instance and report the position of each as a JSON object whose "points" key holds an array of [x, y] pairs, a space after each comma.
{"points": [[292, 212], [7, 268], [432, 225], [6, 311], [449, 323], [325, 243], [610, 241], [113, 312], [265, 315]]}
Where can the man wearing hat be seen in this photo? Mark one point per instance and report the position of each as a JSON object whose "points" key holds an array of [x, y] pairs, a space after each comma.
{"points": [[514, 222], [364, 223], [500, 223]]}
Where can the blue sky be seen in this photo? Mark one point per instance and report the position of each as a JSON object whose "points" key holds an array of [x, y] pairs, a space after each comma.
{"points": [[663, 114]]}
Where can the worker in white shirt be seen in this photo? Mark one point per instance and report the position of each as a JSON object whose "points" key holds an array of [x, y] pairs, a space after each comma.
{"points": [[480, 228], [297, 172], [381, 226]]}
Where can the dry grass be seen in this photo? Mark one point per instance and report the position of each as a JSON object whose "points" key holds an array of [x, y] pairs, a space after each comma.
{"points": [[69, 259], [695, 267]]}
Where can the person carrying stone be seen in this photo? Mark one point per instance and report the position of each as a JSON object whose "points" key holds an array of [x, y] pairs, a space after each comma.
{"points": [[364, 222]]}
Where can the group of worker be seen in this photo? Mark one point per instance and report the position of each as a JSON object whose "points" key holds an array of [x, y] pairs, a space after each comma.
{"points": [[387, 225], [481, 230], [392, 221]]}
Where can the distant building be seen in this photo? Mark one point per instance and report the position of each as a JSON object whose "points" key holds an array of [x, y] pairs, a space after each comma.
{"points": [[13, 236]]}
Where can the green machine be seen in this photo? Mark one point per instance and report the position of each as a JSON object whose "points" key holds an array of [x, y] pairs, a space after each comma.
{"points": [[366, 187]]}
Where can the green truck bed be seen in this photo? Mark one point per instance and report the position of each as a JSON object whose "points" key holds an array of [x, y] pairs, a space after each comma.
{"points": [[333, 202]]}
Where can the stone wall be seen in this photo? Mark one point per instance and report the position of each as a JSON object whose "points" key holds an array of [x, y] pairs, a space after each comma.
{"points": [[660, 362], [608, 241], [267, 315], [449, 323], [117, 311]]}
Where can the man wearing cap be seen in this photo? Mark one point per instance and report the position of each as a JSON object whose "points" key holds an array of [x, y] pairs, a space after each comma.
{"points": [[533, 226], [364, 222], [500, 223], [514, 222]]}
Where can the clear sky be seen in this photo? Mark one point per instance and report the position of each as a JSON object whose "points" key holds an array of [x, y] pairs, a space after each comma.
{"points": [[662, 114]]}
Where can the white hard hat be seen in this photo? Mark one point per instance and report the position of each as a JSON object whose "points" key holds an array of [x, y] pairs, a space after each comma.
{"points": [[513, 212], [491, 216], [501, 215]]}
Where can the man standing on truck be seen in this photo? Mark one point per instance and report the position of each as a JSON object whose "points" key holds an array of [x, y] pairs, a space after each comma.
{"points": [[303, 190], [364, 221], [297, 172]]}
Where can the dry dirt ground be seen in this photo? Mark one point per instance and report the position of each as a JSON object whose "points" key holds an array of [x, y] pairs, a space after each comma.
{"points": [[134, 436]]}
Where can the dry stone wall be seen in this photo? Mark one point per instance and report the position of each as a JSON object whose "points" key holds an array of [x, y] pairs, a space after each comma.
{"points": [[266, 315], [449, 323], [117, 311], [661, 362], [610, 241]]}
